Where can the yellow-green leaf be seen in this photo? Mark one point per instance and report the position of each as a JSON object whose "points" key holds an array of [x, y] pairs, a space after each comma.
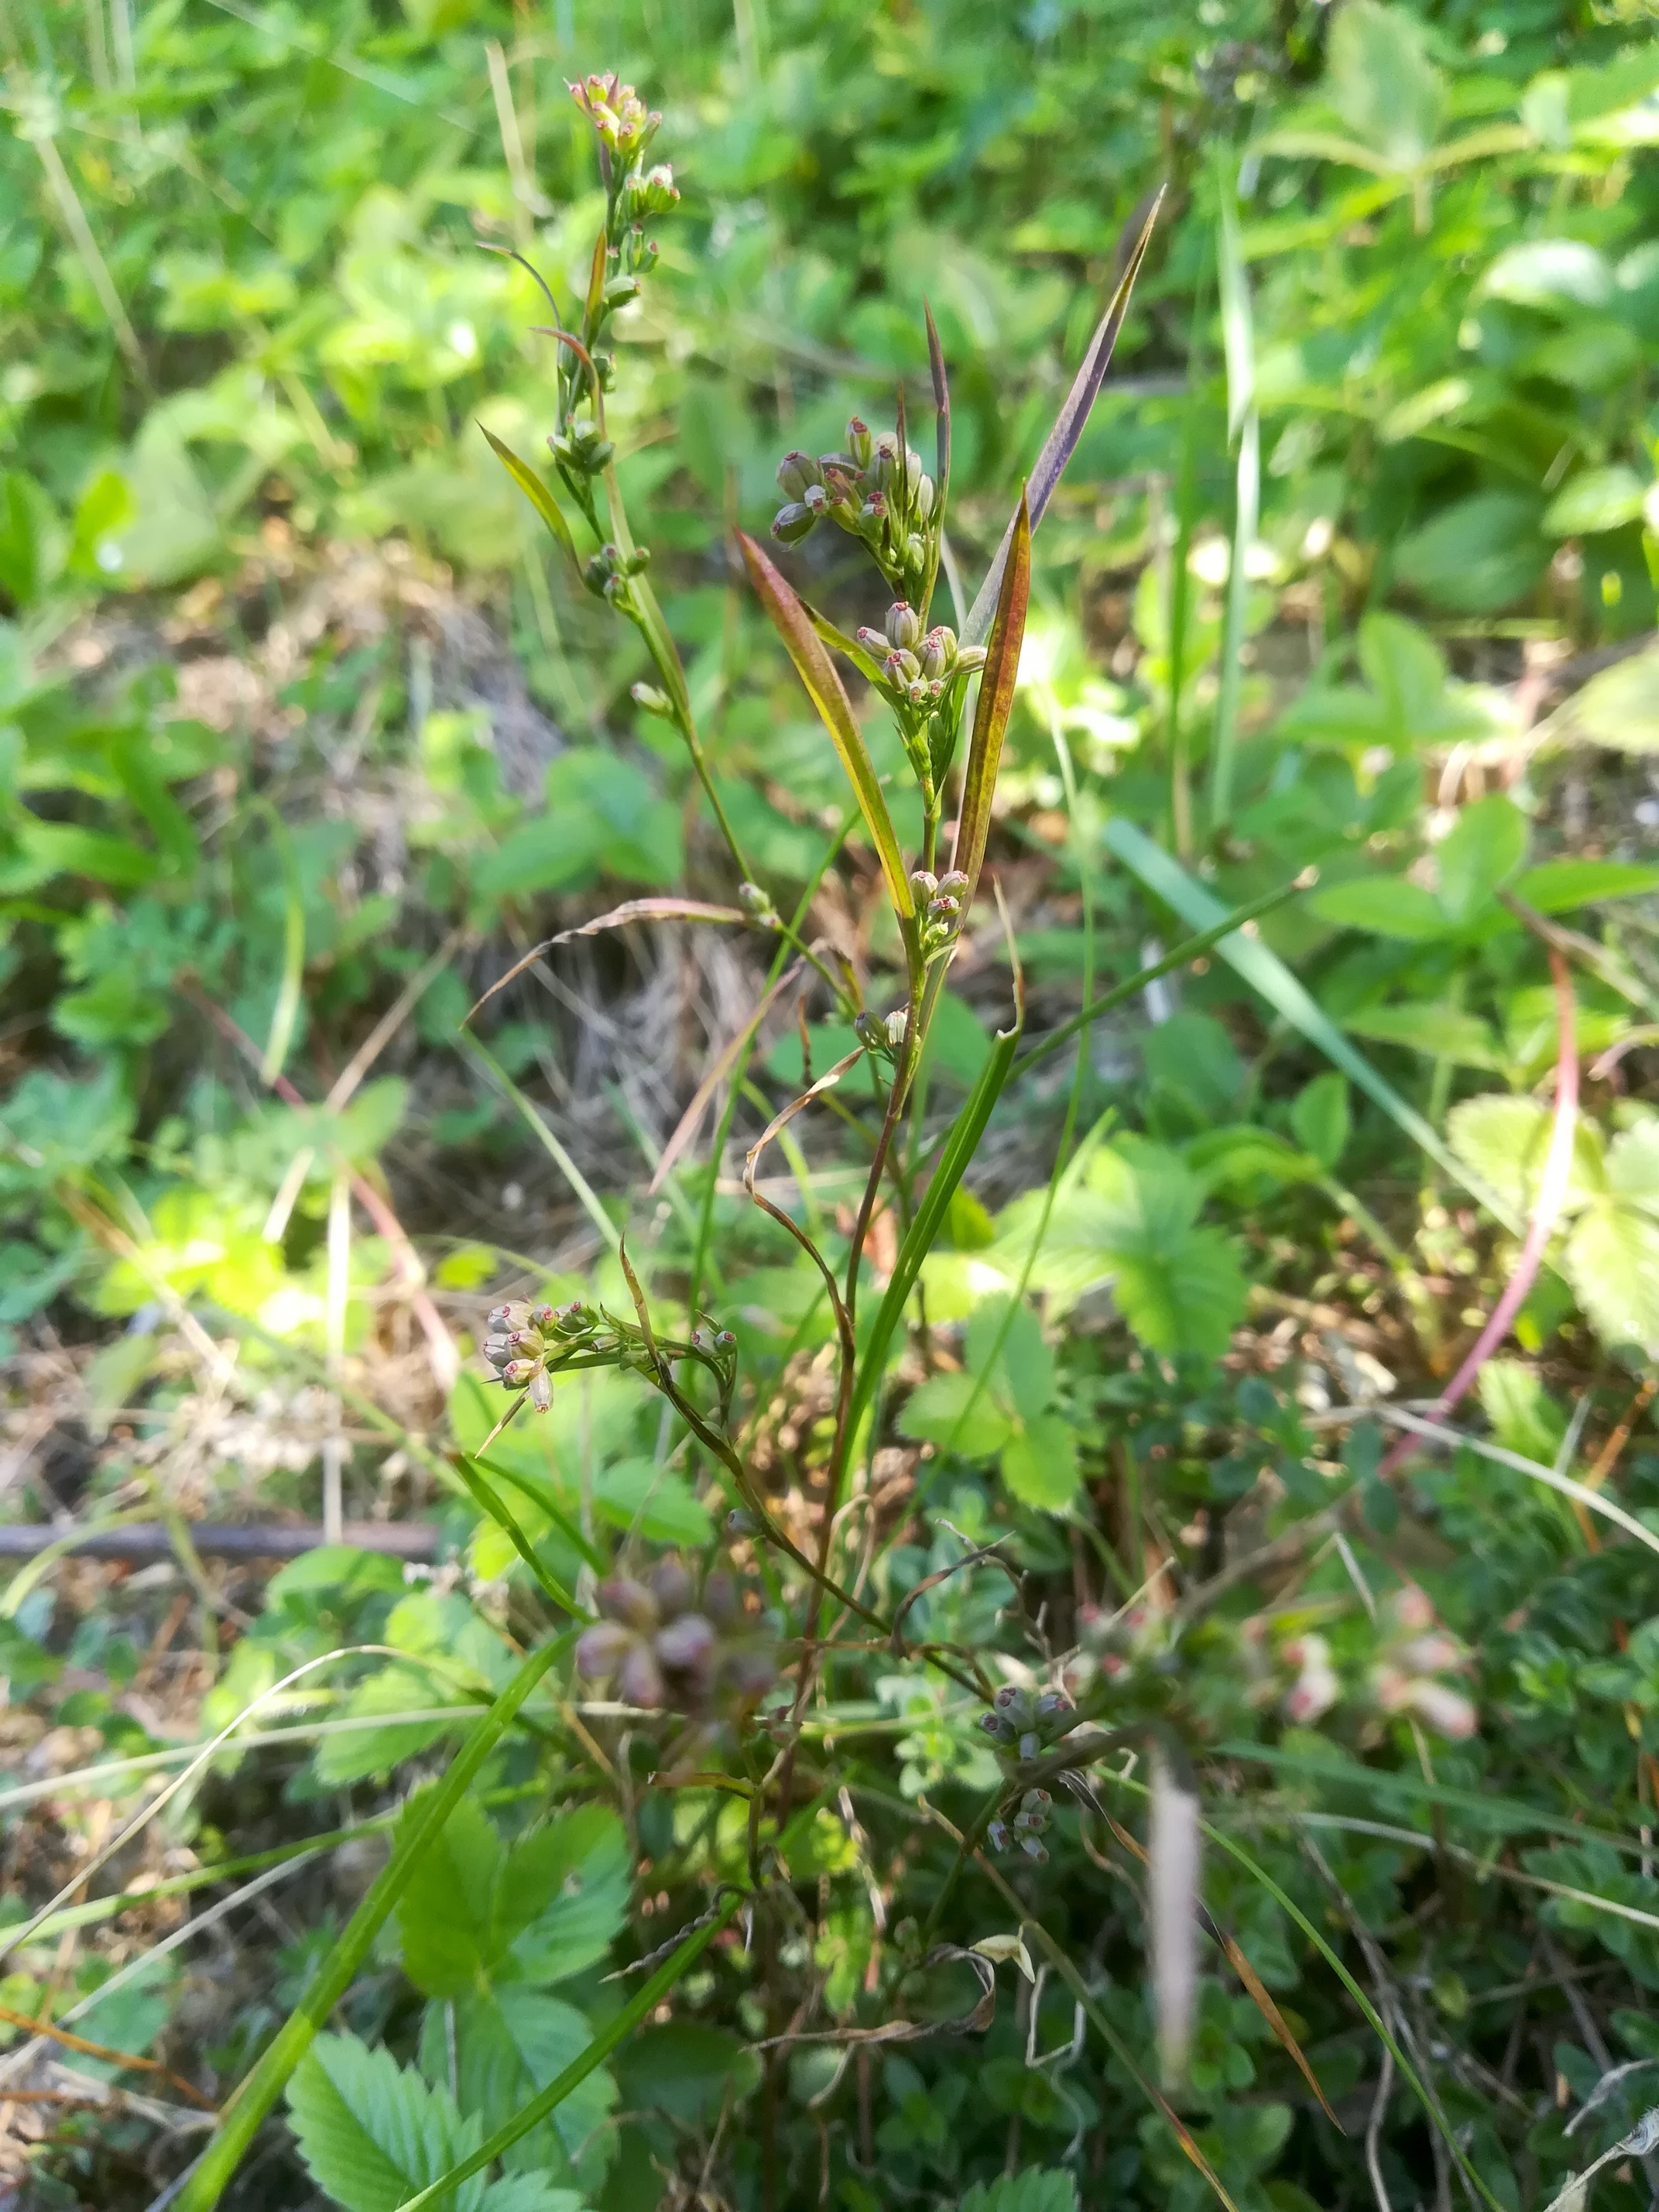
{"points": [[824, 688], [535, 491]]}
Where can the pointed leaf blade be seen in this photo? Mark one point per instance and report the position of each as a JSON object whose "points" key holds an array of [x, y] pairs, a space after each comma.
{"points": [[996, 699], [1069, 425], [824, 687], [535, 491]]}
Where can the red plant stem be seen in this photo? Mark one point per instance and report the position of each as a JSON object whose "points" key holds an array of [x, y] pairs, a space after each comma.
{"points": [[1552, 1190]]}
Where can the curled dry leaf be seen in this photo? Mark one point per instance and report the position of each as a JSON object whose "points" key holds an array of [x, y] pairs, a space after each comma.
{"points": [[639, 910]]}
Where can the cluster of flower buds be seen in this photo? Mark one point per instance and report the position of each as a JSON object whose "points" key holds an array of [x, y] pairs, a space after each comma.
{"points": [[581, 449], [625, 123], [1024, 1828], [666, 1644], [650, 192], [527, 1343], [1031, 1720], [940, 900], [719, 1345], [882, 1040], [1415, 1656], [916, 669], [875, 490], [608, 572]]}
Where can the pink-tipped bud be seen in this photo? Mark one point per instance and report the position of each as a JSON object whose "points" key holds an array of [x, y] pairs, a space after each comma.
{"points": [[902, 624]]}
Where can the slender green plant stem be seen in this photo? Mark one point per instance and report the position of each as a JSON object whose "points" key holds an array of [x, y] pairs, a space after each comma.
{"points": [[1189, 949], [245, 2111], [1244, 424], [728, 1113]]}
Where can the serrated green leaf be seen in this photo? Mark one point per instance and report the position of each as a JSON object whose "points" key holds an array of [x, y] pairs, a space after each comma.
{"points": [[1485, 846], [475, 1911], [448, 1917], [1524, 1418], [1387, 906], [1321, 1118], [373, 2133], [1039, 1464], [1034, 2191], [565, 1894], [1004, 1342], [1185, 1297], [1632, 1169], [1504, 1139], [1444, 1032], [1558, 886], [511, 2042], [1611, 1262], [955, 1410], [356, 1754], [1236, 1158]]}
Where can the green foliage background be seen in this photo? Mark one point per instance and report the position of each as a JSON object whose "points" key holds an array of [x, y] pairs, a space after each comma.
{"points": [[299, 712]]}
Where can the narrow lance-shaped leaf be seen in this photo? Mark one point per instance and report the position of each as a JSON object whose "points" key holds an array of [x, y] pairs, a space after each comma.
{"points": [[1265, 972], [824, 687], [996, 699], [535, 492], [1069, 423]]}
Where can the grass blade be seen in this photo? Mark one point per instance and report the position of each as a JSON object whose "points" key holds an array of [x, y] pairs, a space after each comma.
{"points": [[286, 1010], [1244, 424], [996, 700], [1288, 1905], [824, 687], [1267, 973], [492, 1507], [537, 493], [639, 2007], [1069, 425], [582, 1189], [244, 2113], [958, 1150], [1190, 948]]}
